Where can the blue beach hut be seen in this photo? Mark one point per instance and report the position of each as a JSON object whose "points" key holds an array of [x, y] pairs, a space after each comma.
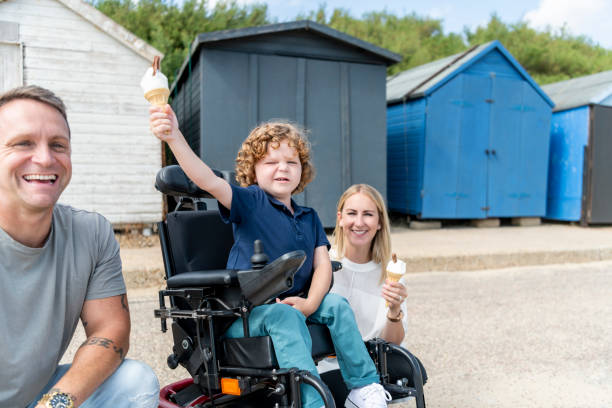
{"points": [[468, 137], [579, 183]]}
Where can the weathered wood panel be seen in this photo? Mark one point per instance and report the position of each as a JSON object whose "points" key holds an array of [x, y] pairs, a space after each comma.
{"points": [[97, 73]]}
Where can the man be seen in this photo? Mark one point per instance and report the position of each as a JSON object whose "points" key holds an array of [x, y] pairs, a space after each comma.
{"points": [[57, 264]]}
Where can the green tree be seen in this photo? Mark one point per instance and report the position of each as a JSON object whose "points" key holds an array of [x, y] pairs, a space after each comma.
{"points": [[548, 55], [172, 28], [417, 39]]}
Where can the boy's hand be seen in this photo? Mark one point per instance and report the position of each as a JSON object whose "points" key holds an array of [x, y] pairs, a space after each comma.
{"points": [[163, 123], [299, 303]]}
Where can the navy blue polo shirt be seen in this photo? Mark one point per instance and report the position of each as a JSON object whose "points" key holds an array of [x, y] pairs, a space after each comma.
{"points": [[257, 215]]}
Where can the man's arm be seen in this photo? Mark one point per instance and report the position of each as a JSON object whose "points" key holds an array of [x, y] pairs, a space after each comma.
{"points": [[107, 326]]}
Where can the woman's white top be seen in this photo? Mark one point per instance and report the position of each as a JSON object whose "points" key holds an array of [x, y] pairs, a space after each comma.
{"points": [[359, 284]]}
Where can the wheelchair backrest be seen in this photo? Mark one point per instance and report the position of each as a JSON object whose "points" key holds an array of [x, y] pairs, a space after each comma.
{"points": [[198, 240], [192, 240]]}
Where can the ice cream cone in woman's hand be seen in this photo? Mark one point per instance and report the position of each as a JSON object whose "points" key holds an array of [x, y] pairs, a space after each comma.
{"points": [[395, 270]]}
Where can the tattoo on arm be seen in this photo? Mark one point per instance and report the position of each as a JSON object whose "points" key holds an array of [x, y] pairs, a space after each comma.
{"points": [[106, 343], [124, 303]]}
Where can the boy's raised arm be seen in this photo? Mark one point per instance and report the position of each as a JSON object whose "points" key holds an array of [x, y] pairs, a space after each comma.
{"points": [[164, 126]]}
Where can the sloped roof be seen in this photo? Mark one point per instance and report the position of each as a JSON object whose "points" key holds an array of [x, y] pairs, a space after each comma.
{"points": [[425, 79], [215, 37], [110, 27], [388, 56], [586, 90]]}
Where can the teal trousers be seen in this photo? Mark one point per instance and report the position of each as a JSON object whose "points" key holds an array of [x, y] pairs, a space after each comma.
{"points": [[293, 345]]}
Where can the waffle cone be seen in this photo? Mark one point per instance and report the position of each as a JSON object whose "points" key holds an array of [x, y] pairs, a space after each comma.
{"points": [[394, 277], [157, 97]]}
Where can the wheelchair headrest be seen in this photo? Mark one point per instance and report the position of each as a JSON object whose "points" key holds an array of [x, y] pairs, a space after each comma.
{"points": [[172, 181]]}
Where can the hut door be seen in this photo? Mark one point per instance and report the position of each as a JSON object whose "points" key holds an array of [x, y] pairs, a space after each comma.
{"points": [[597, 188], [505, 148], [517, 142], [471, 194], [10, 66]]}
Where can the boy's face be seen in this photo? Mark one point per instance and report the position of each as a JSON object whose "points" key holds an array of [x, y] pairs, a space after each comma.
{"points": [[279, 172]]}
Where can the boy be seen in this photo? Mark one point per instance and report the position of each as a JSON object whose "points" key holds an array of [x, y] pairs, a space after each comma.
{"points": [[272, 164]]}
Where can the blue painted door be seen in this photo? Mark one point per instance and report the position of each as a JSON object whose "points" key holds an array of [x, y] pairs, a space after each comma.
{"points": [[568, 137], [505, 147], [518, 150], [455, 171], [472, 171]]}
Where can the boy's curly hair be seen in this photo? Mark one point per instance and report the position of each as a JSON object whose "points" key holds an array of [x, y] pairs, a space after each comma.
{"points": [[255, 147]]}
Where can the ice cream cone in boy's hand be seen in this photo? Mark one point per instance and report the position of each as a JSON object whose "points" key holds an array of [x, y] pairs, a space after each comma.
{"points": [[395, 270], [154, 84]]}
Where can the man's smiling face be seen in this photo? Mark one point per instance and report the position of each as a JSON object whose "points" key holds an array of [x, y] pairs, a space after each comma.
{"points": [[35, 164]]}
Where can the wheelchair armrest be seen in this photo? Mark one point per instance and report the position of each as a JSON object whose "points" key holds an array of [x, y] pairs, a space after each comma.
{"points": [[262, 285], [203, 278]]}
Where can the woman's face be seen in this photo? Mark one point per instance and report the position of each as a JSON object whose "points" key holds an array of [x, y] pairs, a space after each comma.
{"points": [[359, 221]]}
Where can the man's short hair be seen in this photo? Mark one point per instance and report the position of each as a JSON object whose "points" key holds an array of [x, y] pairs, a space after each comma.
{"points": [[36, 93]]}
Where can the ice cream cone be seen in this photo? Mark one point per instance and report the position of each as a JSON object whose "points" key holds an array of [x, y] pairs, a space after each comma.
{"points": [[154, 85], [395, 270], [157, 97], [394, 277]]}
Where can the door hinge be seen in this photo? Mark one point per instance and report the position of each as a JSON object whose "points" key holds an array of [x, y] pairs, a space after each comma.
{"points": [[487, 208], [489, 100]]}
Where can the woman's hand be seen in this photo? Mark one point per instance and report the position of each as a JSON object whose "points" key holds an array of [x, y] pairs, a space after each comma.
{"points": [[301, 304], [163, 123], [394, 293]]}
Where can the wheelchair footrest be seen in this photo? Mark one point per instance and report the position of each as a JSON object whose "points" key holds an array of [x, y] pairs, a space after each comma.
{"points": [[253, 352], [186, 395], [400, 391]]}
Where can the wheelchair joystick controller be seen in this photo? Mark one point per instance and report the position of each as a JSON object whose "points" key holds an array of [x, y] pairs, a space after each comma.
{"points": [[259, 258]]}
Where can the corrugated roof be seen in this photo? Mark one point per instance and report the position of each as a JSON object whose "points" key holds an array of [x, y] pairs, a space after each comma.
{"points": [[425, 79], [586, 90]]}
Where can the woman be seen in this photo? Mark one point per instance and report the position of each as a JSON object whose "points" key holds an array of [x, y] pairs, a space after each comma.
{"points": [[362, 242]]}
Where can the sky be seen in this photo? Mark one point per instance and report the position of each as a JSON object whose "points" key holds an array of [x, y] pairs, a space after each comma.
{"points": [[582, 17]]}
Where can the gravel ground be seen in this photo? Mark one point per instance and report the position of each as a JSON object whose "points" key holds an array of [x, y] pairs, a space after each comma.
{"points": [[516, 337]]}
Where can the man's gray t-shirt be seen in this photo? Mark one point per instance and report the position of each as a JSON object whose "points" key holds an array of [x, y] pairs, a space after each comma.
{"points": [[42, 291]]}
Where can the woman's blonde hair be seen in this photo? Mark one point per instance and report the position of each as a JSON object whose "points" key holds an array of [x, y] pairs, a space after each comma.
{"points": [[380, 251], [255, 147]]}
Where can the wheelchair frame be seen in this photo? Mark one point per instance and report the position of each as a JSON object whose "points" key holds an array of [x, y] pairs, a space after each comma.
{"points": [[212, 296]]}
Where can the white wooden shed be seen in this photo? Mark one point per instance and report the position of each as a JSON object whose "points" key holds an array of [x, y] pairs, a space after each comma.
{"points": [[95, 66]]}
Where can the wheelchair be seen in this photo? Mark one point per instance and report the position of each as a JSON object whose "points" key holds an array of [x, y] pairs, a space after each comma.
{"points": [[204, 299]]}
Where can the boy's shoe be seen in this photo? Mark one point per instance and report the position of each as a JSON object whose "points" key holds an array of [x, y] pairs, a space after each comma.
{"points": [[370, 396]]}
